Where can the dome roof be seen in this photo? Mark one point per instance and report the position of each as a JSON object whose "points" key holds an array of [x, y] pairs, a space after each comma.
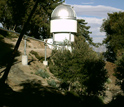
{"points": [[63, 12]]}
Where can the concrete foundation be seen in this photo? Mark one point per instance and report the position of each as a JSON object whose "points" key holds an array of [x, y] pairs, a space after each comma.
{"points": [[24, 60], [45, 63]]}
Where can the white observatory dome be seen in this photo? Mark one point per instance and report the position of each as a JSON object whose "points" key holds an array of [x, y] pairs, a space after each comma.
{"points": [[63, 24], [63, 12]]}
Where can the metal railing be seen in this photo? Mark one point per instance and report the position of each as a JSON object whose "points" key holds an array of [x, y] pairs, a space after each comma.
{"points": [[25, 36]]}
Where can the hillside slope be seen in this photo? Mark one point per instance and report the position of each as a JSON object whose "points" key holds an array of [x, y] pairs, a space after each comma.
{"points": [[112, 90], [20, 73]]}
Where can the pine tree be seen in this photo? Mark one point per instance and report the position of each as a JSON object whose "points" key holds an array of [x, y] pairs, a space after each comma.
{"points": [[81, 69], [15, 13], [113, 26], [119, 71]]}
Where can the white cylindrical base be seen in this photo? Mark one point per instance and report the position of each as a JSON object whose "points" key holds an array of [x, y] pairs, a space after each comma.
{"points": [[45, 63], [24, 60], [63, 25], [61, 37]]}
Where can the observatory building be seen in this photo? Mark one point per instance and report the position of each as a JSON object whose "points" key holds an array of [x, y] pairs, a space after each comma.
{"points": [[63, 24]]}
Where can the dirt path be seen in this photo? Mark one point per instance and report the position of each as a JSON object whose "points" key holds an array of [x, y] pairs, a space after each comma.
{"points": [[112, 88]]}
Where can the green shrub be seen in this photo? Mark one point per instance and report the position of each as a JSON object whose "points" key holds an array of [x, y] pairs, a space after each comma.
{"points": [[108, 81], [42, 73], [52, 83], [37, 56], [119, 71], [11, 35], [1, 36]]}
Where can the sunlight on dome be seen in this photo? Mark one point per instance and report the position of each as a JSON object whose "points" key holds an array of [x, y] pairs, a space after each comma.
{"points": [[63, 13]]}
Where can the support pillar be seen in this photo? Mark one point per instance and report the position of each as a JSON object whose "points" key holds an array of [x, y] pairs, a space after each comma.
{"points": [[45, 62], [25, 57]]}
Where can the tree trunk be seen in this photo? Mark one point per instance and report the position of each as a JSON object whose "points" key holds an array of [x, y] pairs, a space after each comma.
{"points": [[5, 75]]}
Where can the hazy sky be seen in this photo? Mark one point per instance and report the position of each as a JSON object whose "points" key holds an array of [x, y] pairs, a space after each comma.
{"points": [[94, 11]]}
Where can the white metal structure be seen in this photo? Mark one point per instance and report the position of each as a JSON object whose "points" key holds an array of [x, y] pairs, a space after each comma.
{"points": [[63, 24]]}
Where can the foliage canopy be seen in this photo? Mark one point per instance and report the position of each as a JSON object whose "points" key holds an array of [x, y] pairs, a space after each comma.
{"points": [[14, 14], [113, 26], [82, 69], [119, 71]]}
